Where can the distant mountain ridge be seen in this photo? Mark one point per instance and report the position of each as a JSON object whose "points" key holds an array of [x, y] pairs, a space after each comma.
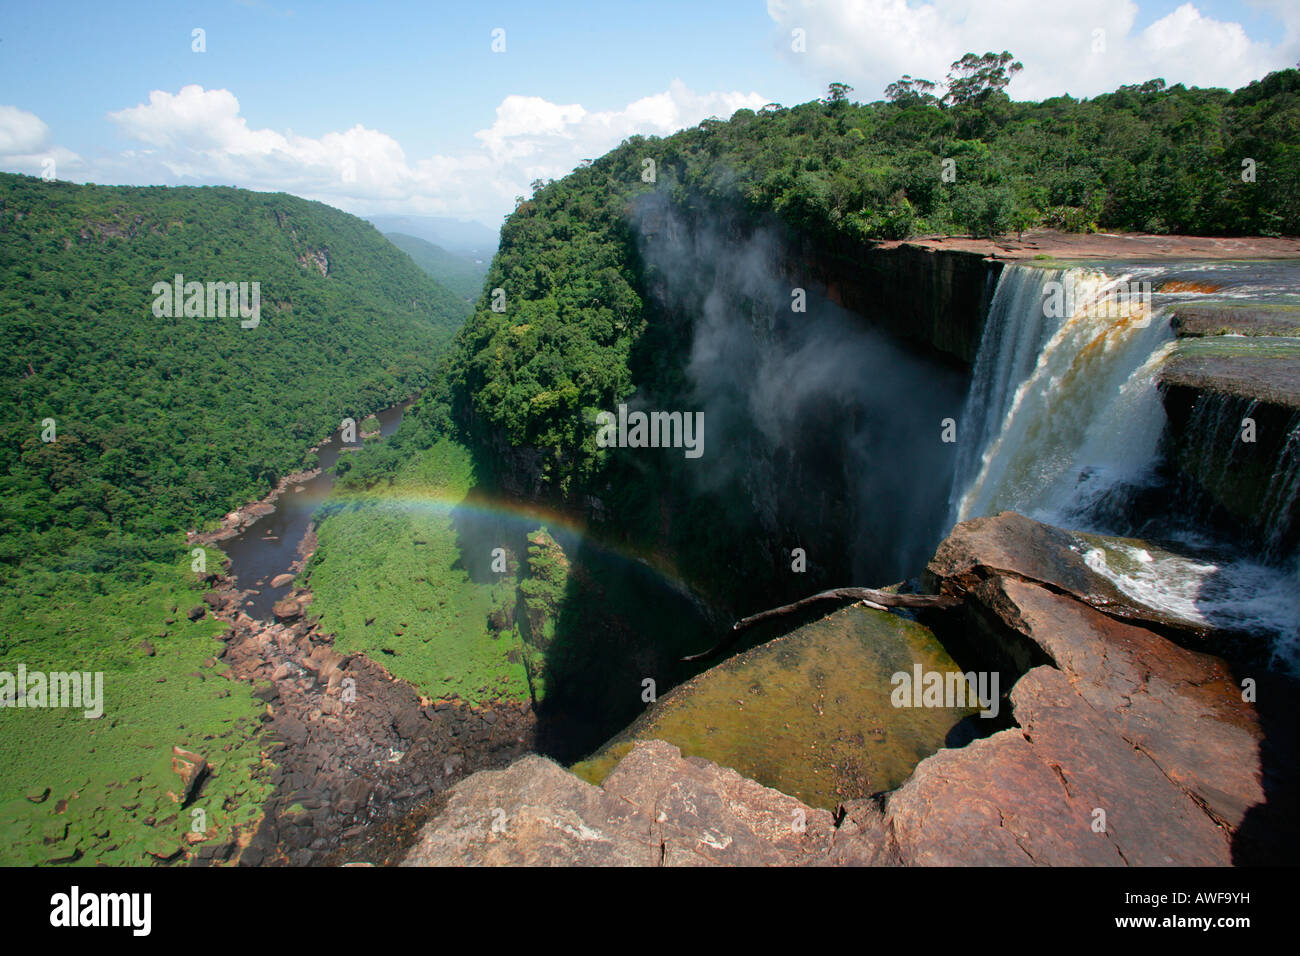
{"points": [[464, 237], [463, 275]]}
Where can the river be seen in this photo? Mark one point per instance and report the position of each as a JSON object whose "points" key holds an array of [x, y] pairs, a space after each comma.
{"points": [[268, 547]]}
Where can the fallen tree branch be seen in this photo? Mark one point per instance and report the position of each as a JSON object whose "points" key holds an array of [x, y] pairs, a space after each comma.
{"points": [[881, 600]]}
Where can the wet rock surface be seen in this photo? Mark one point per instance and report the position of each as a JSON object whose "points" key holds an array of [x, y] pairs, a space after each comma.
{"points": [[1221, 318], [1128, 750], [1121, 733], [1243, 488], [1010, 544], [1261, 368], [808, 713]]}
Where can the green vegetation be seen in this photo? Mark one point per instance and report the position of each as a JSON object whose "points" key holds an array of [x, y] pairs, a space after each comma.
{"points": [[406, 543], [111, 785], [389, 581], [159, 425], [461, 274], [164, 424], [845, 175], [542, 597]]}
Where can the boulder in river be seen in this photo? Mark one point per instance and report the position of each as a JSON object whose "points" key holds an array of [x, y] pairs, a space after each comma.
{"points": [[287, 609]]}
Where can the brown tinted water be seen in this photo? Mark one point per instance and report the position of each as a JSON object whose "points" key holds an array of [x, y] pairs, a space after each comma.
{"points": [[809, 713]]}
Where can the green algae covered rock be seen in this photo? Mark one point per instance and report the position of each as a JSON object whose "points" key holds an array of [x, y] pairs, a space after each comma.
{"points": [[809, 713]]}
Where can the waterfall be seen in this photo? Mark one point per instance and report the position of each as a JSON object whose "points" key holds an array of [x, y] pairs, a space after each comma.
{"points": [[1265, 477], [1063, 423], [1063, 413], [1283, 497]]}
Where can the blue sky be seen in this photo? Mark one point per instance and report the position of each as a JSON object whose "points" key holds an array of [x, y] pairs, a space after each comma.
{"points": [[404, 107]]}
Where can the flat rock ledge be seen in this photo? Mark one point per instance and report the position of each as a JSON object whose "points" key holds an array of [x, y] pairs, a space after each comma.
{"points": [[1126, 749], [657, 808]]}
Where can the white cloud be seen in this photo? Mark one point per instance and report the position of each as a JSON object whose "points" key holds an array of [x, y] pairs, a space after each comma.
{"points": [[551, 139], [194, 118], [20, 131], [198, 135], [25, 145], [870, 43]]}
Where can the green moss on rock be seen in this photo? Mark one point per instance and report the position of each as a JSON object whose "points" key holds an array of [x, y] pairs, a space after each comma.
{"points": [[808, 713]]}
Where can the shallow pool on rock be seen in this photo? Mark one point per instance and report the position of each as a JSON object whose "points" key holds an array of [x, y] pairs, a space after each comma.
{"points": [[808, 713]]}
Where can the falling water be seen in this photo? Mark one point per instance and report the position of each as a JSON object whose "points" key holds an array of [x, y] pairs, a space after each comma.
{"points": [[1063, 423], [1064, 402]]}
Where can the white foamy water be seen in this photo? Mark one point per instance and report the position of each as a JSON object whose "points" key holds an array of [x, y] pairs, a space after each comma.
{"points": [[1069, 408], [1239, 595], [1063, 423]]}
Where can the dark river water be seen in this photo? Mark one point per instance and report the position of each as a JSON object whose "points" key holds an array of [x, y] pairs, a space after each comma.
{"points": [[269, 546]]}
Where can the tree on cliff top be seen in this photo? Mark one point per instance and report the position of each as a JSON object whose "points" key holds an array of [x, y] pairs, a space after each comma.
{"points": [[908, 90]]}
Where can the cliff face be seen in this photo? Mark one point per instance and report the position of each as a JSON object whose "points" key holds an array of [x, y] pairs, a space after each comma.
{"points": [[800, 400], [935, 292], [806, 434], [932, 299], [1233, 435]]}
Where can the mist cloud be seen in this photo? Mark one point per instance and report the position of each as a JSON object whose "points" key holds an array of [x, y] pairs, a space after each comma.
{"points": [[805, 407]]}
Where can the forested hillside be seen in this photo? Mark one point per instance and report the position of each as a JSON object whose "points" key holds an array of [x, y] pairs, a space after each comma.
{"points": [[461, 274], [577, 327], [1144, 158], [118, 430], [160, 423]]}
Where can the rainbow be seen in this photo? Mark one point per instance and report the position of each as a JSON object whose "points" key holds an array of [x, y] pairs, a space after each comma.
{"points": [[530, 515]]}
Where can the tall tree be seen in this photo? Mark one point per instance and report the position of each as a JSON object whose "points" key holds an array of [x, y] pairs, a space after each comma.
{"points": [[974, 79], [838, 92], [908, 90]]}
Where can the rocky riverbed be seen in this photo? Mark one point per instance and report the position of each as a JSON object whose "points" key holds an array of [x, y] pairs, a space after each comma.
{"points": [[354, 754], [353, 749]]}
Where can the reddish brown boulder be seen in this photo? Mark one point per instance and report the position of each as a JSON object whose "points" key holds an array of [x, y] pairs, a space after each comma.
{"points": [[1037, 794], [1182, 709], [1010, 543], [286, 610], [656, 809], [192, 769]]}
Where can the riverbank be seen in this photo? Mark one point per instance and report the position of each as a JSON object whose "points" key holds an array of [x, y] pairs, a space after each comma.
{"points": [[353, 747]]}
